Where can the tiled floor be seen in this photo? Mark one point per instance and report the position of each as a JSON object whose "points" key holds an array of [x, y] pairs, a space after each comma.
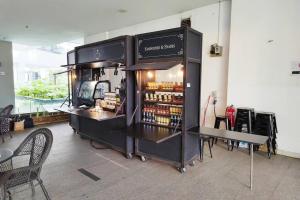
{"points": [[226, 176]]}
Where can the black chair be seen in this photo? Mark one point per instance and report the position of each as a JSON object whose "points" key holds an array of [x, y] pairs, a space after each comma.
{"points": [[218, 121], [201, 145], [5, 112], [5, 127], [5, 121], [33, 151]]}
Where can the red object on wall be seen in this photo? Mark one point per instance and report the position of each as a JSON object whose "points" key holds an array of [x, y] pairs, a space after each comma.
{"points": [[230, 114]]}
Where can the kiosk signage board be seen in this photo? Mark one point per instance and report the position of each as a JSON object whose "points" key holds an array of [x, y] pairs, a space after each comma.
{"points": [[111, 51], [160, 46]]}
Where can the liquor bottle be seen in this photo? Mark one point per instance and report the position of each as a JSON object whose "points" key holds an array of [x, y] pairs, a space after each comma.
{"points": [[153, 118], [144, 114], [160, 97], [151, 96], [150, 117], [169, 98], [166, 121]]}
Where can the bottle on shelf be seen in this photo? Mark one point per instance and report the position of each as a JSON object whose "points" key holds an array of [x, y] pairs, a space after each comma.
{"points": [[147, 97], [164, 115]]}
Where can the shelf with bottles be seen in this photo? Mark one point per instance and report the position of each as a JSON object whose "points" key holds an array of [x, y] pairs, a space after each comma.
{"points": [[161, 125], [176, 99], [164, 87], [167, 116]]}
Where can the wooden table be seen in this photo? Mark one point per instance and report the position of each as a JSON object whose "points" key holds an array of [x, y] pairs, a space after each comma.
{"points": [[251, 139]]}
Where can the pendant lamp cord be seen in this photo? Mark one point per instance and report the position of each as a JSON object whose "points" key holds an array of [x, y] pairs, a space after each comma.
{"points": [[219, 20]]}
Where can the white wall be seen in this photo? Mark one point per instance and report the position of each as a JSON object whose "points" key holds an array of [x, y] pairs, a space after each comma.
{"points": [[259, 71], [205, 20], [7, 95]]}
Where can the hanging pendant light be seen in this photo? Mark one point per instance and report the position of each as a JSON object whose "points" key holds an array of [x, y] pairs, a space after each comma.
{"points": [[216, 49]]}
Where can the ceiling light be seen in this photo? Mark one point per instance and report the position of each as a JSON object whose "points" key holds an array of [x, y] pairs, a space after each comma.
{"points": [[149, 74], [180, 72]]}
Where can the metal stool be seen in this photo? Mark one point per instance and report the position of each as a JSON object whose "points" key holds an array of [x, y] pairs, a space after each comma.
{"points": [[201, 145], [218, 121]]}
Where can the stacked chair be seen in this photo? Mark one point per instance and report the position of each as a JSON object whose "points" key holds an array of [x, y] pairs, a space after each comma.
{"points": [[5, 121], [265, 124], [244, 121]]}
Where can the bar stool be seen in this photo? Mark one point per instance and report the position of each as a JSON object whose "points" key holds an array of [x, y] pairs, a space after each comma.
{"points": [[219, 119], [222, 118], [201, 145], [244, 121]]}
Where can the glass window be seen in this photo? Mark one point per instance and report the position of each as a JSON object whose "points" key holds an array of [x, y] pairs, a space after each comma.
{"points": [[37, 88]]}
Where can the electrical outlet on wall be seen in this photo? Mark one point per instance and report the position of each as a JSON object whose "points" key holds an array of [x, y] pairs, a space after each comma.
{"points": [[213, 97], [214, 93], [296, 67]]}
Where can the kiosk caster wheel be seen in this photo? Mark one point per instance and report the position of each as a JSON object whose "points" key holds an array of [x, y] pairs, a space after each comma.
{"points": [[129, 156], [182, 170], [192, 163], [143, 159]]}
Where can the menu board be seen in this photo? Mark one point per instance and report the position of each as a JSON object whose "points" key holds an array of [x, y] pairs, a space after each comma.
{"points": [[162, 45]]}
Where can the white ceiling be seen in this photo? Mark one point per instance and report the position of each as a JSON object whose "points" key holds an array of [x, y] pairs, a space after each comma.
{"points": [[54, 21]]}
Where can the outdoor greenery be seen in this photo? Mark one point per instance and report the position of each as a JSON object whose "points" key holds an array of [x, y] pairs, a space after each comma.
{"points": [[43, 90]]}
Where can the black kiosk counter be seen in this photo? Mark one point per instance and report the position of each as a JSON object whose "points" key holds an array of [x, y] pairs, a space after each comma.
{"points": [[101, 99], [167, 73]]}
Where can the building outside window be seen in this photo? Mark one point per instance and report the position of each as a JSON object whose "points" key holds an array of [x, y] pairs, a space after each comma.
{"points": [[37, 88]]}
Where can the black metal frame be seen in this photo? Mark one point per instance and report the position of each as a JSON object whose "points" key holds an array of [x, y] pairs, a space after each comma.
{"points": [[184, 146], [103, 81], [107, 132]]}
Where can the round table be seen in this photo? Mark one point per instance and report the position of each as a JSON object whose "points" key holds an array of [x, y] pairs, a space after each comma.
{"points": [[5, 154]]}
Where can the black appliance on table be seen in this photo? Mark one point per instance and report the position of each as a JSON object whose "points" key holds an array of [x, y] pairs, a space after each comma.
{"points": [[168, 87], [88, 82]]}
